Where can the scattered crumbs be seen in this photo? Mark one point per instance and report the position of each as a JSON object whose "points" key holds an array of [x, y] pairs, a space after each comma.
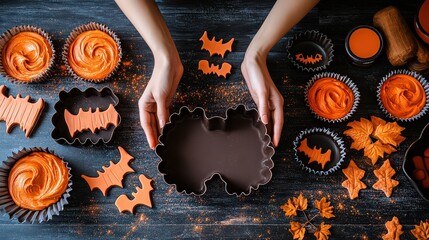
{"points": [[365, 237], [340, 206], [197, 229], [256, 220], [135, 225], [109, 232]]}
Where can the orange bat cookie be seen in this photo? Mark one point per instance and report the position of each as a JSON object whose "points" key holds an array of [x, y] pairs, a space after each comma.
{"points": [[309, 59], [141, 196], [89, 120], [19, 111], [207, 68], [215, 47], [315, 154], [112, 175]]}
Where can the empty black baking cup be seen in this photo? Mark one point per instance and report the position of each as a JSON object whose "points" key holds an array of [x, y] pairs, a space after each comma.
{"points": [[416, 149], [347, 81], [310, 51], [193, 148], [419, 78], [25, 215], [6, 36], [73, 101], [319, 139]]}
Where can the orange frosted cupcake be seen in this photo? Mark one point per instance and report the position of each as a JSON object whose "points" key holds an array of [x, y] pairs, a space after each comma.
{"points": [[403, 95], [37, 184], [26, 54], [332, 97], [92, 52]]}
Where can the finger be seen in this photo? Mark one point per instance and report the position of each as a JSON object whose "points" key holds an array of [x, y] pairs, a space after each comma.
{"points": [[154, 126], [162, 112], [264, 110], [145, 121], [278, 121]]}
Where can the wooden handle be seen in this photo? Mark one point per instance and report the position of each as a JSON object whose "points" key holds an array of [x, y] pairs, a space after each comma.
{"points": [[401, 43]]}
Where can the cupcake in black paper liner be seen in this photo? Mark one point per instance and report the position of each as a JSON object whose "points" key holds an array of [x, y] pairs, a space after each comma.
{"points": [[310, 51], [319, 151], [34, 185], [332, 97], [194, 148], [26, 54], [403, 95], [92, 52]]}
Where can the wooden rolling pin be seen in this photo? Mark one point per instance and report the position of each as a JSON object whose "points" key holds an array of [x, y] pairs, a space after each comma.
{"points": [[401, 43]]}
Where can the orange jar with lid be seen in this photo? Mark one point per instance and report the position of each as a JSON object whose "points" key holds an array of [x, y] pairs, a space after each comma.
{"points": [[364, 45], [421, 22]]}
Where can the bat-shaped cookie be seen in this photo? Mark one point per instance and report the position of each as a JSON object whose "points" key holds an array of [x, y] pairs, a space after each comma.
{"points": [[112, 175], [309, 59], [89, 120], [215, 47], [208, 68], [19, 111], [315, 154], [141, 196]]}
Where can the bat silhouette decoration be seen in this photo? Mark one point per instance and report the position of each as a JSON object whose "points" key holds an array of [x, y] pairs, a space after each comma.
{"points": [[141, 196], [19, 111], [309, 59], [89, 120], [111, 175], [208, 68], [215, 47], [315, 154]]}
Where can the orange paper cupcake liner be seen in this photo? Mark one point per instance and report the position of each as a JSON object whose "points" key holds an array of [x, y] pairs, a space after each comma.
{"points": [[83, 28], [6, 36]]}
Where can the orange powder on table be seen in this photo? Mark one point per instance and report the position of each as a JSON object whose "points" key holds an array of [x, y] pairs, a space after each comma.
{"points": [[364, 43]]}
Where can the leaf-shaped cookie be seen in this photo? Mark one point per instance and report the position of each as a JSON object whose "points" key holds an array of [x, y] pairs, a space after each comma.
{"points": [[376, 121], [325, 208], [360, 131], [300, 202], [297, 230], [389, 133], [289, 208], [323, 232], [376, 150], [394, 229], [385, 182], [421, 232], [353, 184]]}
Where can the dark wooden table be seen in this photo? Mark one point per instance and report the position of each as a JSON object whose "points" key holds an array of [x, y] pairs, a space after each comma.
{"points": [[216, 214]]}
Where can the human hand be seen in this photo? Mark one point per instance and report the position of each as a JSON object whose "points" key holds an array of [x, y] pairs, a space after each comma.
{"points": [[265, 94], [154, 103]]}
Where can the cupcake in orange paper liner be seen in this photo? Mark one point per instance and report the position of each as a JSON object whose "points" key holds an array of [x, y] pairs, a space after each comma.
{"points": [[27, 54], [34, 185], [92, 52], [403, 95], [332, 97]]}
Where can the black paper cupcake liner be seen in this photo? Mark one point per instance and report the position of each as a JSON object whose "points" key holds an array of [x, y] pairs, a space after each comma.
{"points": [[6, 36], [22, 214], [346, 80], [419, 78], [325, 139], [310, 51], [88, 27], [190, 177]]}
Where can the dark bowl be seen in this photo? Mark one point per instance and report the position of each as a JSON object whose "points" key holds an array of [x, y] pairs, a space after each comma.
{"points": [[416, 149], [193, 148], [72, 101]]}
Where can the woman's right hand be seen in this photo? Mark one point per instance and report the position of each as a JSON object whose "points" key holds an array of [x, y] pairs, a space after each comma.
{"points": [[155, 101]]}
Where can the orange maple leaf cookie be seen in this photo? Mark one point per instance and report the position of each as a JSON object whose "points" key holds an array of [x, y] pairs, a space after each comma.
{"points": [[394, 230], [387, 137], [421, 232], [385, 182], [353, 183], [324, 208], [297, 230], [323, 232]]}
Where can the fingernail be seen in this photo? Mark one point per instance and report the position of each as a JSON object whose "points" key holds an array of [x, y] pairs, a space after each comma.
{"points": [[264, 119], [161, 123]]}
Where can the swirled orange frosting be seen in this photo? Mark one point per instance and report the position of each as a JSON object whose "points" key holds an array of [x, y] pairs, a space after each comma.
{"points": [[38, 180], [330, 98], [93, 55], [403, 96], [26, 55]]}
